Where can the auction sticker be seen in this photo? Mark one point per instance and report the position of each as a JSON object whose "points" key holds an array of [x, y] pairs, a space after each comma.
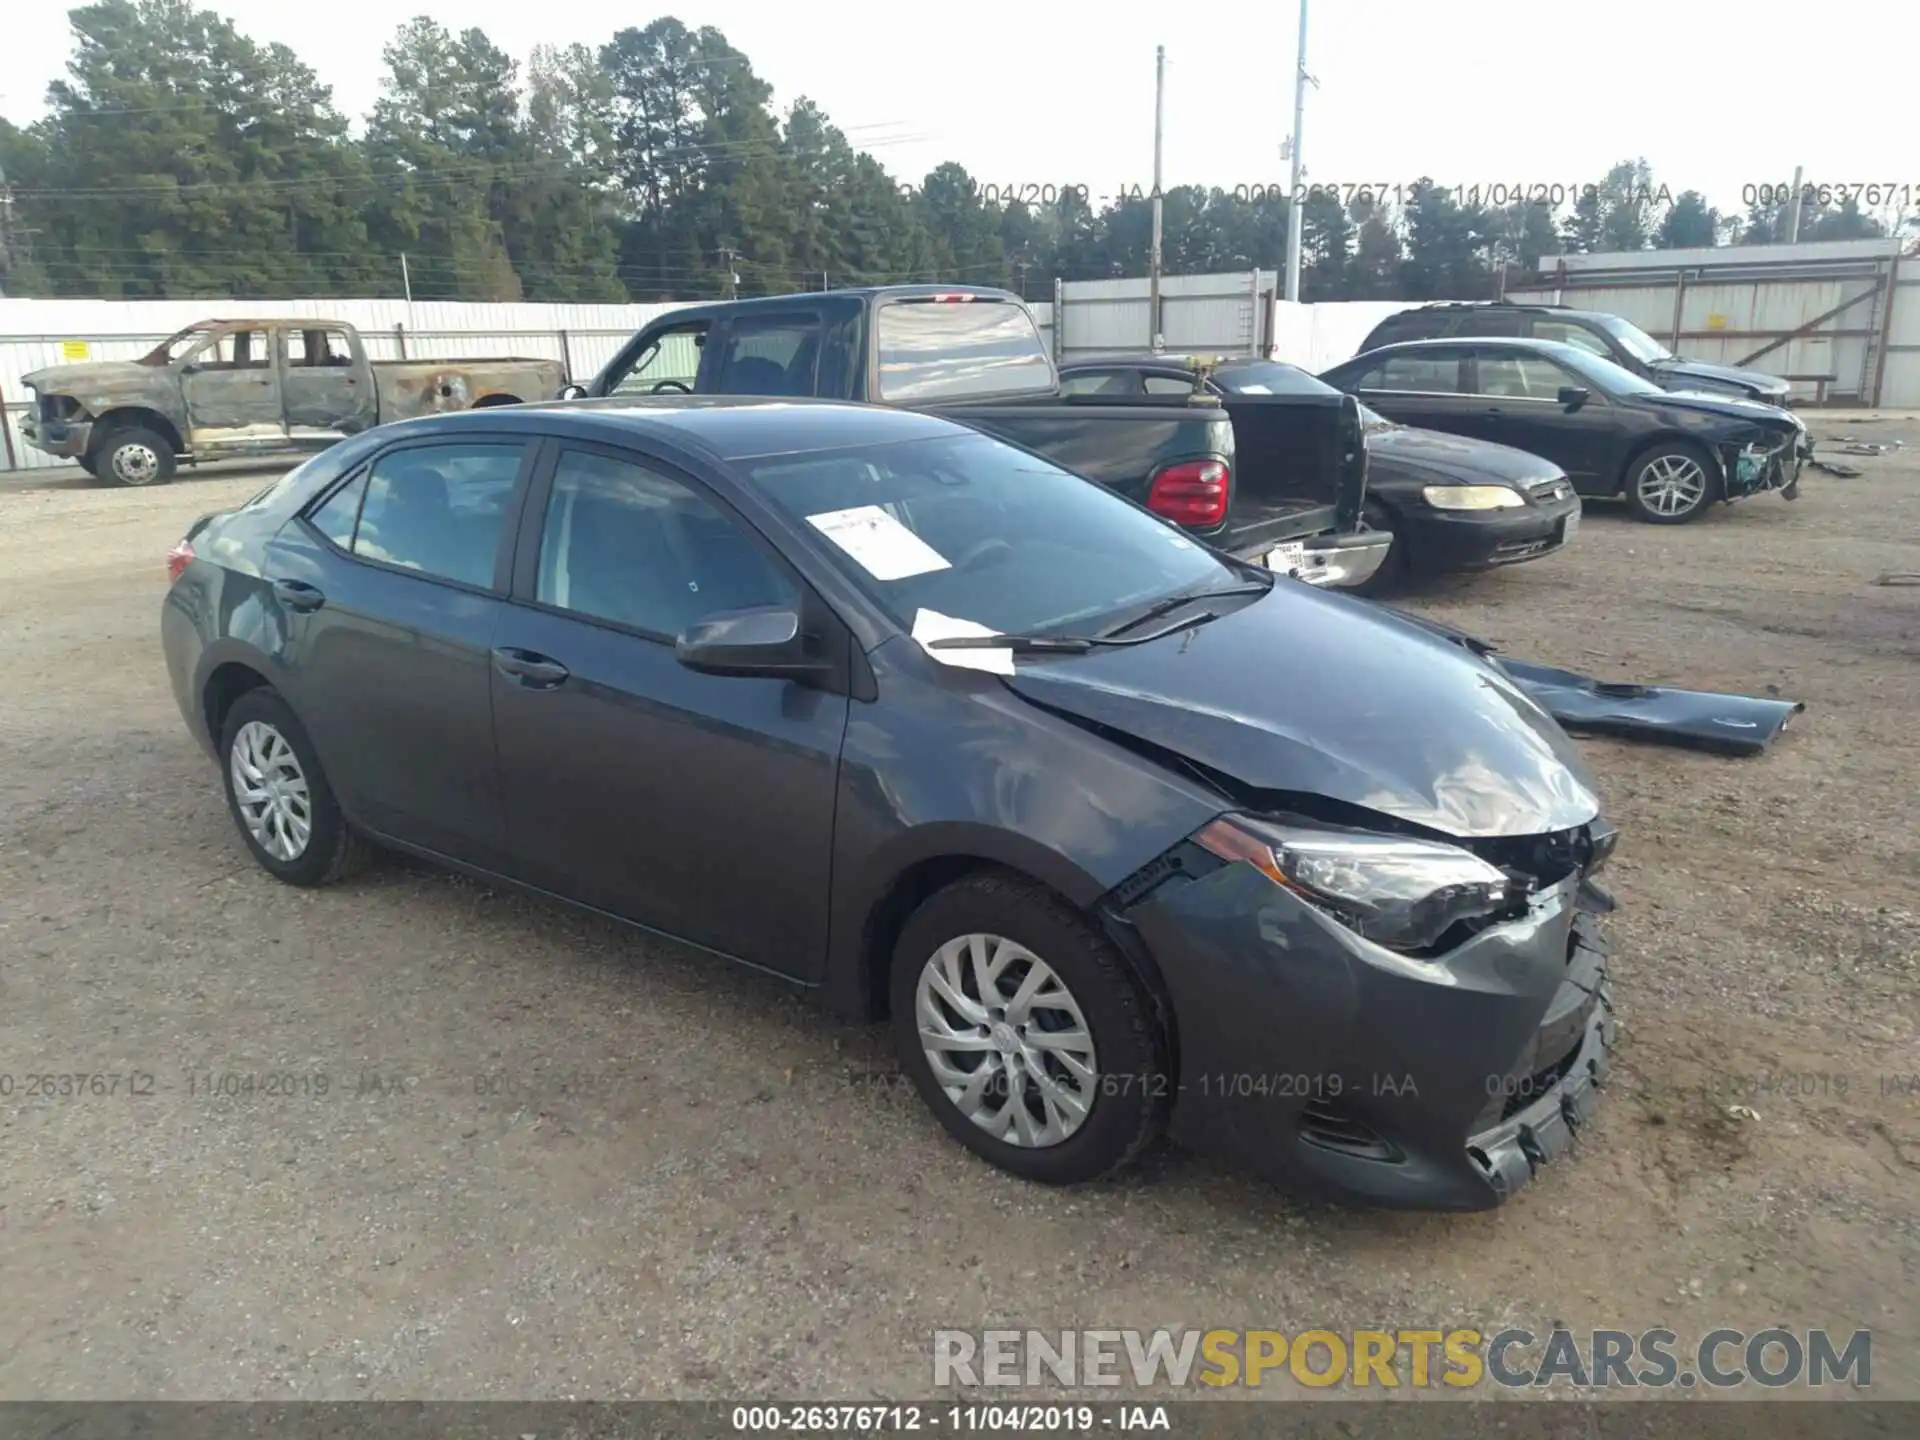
{"points": [[878, 543]]}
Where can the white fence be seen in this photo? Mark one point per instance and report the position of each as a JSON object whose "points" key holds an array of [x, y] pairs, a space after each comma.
{"points": [[35, 334]]}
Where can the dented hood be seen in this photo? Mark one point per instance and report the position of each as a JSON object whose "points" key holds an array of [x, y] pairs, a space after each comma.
{"points": [[1315, 692]]}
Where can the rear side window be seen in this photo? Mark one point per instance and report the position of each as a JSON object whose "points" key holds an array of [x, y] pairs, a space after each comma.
{"points": [[1491, 320], [1425, 374], [770, 355], [1101, 382], [438, 509], [1569, 334], [951, 349]]}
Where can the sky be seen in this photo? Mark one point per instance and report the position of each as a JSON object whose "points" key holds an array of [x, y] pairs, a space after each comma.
{"points": [[1717, 95]]}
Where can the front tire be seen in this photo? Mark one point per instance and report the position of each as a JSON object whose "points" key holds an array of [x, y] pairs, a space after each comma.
{"points": [[279, 796], [1671, 485], [1026, 1033], [134, 456]]}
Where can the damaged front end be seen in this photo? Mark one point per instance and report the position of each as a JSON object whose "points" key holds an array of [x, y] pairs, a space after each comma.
{"points": [[1378, 1013], [57, 424], [1766, 460]]}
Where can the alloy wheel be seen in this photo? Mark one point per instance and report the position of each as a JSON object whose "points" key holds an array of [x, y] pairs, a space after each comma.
{"points": [[1671, 485], [270, 791], [1006, 1040]]}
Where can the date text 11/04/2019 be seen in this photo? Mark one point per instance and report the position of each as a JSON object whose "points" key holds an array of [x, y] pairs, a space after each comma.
{"points": [[1010, 1419], [1550, 194]]}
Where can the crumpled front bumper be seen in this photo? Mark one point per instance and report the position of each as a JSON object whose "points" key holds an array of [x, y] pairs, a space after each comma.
{"points": [[68, 438], [1330, 1064]]}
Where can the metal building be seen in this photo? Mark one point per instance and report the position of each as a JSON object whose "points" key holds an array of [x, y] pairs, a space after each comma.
{"points": [[1831, 317]]}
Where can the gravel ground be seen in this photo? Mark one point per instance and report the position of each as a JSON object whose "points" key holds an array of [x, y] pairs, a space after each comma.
{"points": [[554, 1159]]}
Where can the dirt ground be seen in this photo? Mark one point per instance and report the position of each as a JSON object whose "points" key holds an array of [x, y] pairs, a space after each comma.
{"points": [[555, 1159]]}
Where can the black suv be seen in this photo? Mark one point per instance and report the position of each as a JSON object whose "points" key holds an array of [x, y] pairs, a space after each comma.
{"points": [[1607, 336]]}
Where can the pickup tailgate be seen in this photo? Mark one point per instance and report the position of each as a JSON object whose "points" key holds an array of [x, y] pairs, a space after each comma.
{"points": [[1300, 466]]}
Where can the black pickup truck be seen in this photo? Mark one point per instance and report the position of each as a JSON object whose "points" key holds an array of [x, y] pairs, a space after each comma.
{"points": [[1283, 485]]}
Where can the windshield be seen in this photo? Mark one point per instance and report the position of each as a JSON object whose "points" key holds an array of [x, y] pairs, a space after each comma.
{"points": [[175, 346], [951, 349], [974, 529], [1606, 376], [1635, 341]]}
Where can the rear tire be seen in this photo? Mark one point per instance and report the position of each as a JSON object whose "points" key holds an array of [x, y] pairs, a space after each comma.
{"points": [[1084, 1056], [133, 456], [279, 796], [1671, 484]]}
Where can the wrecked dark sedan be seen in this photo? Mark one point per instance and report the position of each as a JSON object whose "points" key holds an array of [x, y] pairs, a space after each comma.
{"points": [[1616, 435], [1123, 835], [1453, 503]]}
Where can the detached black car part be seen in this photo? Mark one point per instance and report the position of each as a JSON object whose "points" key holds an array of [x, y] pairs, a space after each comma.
{"points": [[1691, 719]]}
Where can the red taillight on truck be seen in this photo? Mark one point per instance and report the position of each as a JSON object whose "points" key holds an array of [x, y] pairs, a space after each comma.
{"points": [[178, 559], [1194, 493]]}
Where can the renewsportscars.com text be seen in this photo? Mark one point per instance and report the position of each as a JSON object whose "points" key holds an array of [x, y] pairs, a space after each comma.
{"points": [[1417, 1358]]}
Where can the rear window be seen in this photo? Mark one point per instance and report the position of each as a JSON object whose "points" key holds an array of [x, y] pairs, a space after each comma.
{"points": [[950, 350]]}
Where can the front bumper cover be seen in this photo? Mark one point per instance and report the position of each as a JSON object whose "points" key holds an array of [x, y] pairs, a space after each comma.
{"points": [[67, 438], [1330, 1064]]}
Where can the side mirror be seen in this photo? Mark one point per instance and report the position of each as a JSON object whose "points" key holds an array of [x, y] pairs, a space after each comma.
{"points": [[573, 392], [1574, 396], [192, 367], [766, 641]]}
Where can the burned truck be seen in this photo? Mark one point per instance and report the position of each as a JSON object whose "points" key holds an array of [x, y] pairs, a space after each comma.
{"points": [[225, 388]]}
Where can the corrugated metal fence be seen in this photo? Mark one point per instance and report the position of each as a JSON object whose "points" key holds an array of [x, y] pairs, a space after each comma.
{"points": [[35, 334]]}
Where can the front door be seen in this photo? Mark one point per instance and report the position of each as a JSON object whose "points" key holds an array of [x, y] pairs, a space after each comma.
{"points": [[698, 805], [327, 393], [1518, 403], [1424, 388], [231, 389], [389, 593]]}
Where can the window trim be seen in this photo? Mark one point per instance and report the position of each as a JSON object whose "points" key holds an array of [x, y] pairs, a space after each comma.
{"points": [[525, 579], [531, 448]]}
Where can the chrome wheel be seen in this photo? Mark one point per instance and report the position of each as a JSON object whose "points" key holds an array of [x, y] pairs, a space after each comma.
{"points": [[1671, 485], [136, 464], [270, 791], [1006, 1040]]}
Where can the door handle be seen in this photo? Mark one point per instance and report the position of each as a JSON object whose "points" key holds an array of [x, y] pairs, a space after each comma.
{"points": [[298, 595], [530, 668]]}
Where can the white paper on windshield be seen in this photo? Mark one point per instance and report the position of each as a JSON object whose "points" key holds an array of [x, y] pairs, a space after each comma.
{"points": [[932, 625], [878, 543]]}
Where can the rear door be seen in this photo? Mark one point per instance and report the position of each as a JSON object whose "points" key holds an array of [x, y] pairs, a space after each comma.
{"points": [[231, 389], [390, 590], [698, 805], [1424, 387]]}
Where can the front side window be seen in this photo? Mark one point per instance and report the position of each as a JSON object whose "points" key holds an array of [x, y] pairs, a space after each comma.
{"points": [[626, 543], [668, 366], [439, 509], [947, 349], [974, 529], [1520, 377], [237, 350], [1632, 339]]}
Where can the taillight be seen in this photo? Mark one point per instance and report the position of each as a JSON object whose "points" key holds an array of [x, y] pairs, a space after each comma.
{"points": [[1194, 493], [178, 559]]}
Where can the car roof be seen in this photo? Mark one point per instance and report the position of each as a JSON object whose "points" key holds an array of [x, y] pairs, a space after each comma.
{"points": [[1454, 342], [725, 427], [1492, 307]]}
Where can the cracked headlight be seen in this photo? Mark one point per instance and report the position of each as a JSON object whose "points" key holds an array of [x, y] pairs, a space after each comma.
{"points": [[1472, 497], [1396, 891]]}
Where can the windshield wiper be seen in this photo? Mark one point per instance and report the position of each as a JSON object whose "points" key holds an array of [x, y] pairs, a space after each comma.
{"points": [[1078, 644], [1174, 602]]}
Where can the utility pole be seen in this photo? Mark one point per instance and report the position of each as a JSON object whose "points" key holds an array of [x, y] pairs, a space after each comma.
{"points": [[1293, 189], [731, 279], [1153, 253], [1793, 209], [406, 280]]}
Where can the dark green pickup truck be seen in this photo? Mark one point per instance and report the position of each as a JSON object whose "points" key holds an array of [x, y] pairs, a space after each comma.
{"points": [[1281, 484]]}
